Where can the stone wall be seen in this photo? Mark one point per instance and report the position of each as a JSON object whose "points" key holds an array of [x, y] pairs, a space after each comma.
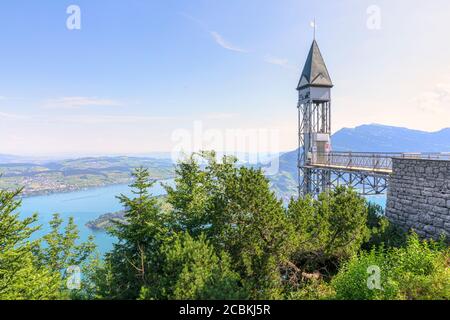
{"points": [[419, 196]]}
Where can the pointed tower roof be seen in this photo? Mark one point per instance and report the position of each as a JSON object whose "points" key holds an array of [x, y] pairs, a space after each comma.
{"points": [[315, 73]]}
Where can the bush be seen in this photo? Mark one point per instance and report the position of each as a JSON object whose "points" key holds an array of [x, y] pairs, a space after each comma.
{"points": [[415, 272], [421, 270], [383, 233], [328, 230], [352, 281], [314, 290], [193, 271]]}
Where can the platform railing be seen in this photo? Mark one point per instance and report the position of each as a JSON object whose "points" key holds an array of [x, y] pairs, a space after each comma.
{"points": [[369, 161], [427, 156]]}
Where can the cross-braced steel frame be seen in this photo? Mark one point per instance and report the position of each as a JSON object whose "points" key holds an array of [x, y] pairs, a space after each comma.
{"points": [[365, 182], [313, 117]]}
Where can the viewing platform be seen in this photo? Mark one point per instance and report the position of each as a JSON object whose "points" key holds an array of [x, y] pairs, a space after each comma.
{"points": [[369, 162]]}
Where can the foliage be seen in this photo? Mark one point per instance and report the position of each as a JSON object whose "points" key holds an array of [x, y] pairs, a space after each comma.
{"points": [[192, 270], [35, 270], [58, 250], [21, 277], [351, 283], [329, 230], [313, 290], [383, 233], [417, 271], [236, 210], [135, 261]]}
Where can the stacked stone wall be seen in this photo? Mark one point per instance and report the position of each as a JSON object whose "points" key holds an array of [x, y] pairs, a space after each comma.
{"points": [[419, 196]]}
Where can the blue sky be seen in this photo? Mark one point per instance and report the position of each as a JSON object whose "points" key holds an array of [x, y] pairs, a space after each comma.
{"points": [[139, 70]]}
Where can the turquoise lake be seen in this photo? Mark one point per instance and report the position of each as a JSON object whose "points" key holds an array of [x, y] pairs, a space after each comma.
{"points": [[83, 206], [87, 205]]}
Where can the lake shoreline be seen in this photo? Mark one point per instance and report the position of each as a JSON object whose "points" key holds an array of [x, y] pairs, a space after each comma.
{"points": [[83, 206], [67, 191]]}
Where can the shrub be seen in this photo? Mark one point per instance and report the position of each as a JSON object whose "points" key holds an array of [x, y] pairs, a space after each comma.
{"points": [[417, 271], [328, 230], [193, 271], [314, 290], [382, 232]]}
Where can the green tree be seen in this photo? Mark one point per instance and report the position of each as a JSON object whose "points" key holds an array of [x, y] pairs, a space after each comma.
{"points": [[135, 261], [190, 198], [328, 231], [21, 276], [58, 250], [192, 270], [343, 216]]}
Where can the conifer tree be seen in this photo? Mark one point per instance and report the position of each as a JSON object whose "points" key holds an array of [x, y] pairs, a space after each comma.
{"points": [[59, 250], [21, 276], [329, 229], [135, 261]]}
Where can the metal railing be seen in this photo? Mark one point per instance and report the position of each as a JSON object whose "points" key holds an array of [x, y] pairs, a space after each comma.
{"points": [[369, 161], [427, 156]]}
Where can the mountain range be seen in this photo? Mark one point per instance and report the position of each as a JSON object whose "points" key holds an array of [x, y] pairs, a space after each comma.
{"points": [[380, 138]]}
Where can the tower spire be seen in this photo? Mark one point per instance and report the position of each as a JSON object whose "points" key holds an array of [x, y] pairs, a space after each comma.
{"points": [[315, 72]]}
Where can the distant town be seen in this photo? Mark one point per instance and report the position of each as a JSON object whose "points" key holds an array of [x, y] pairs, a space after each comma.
{"points": [[79, 174]]}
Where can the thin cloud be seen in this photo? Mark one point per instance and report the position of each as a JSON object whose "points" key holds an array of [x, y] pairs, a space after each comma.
{"points": [[435, 101], [217, 37], [195, 20], [224, 43], [281, 62], [80, 102]]}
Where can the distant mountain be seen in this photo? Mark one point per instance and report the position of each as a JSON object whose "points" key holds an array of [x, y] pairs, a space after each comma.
{"points": [[366, 138], [7, 158], [380, 138]]}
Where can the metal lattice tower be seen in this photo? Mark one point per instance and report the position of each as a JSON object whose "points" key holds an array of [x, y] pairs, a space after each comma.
{"points": [[314, 112], [320, 169]]}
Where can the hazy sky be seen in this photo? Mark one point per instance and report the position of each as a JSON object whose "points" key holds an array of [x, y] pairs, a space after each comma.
{"points": [[139, 72]]}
